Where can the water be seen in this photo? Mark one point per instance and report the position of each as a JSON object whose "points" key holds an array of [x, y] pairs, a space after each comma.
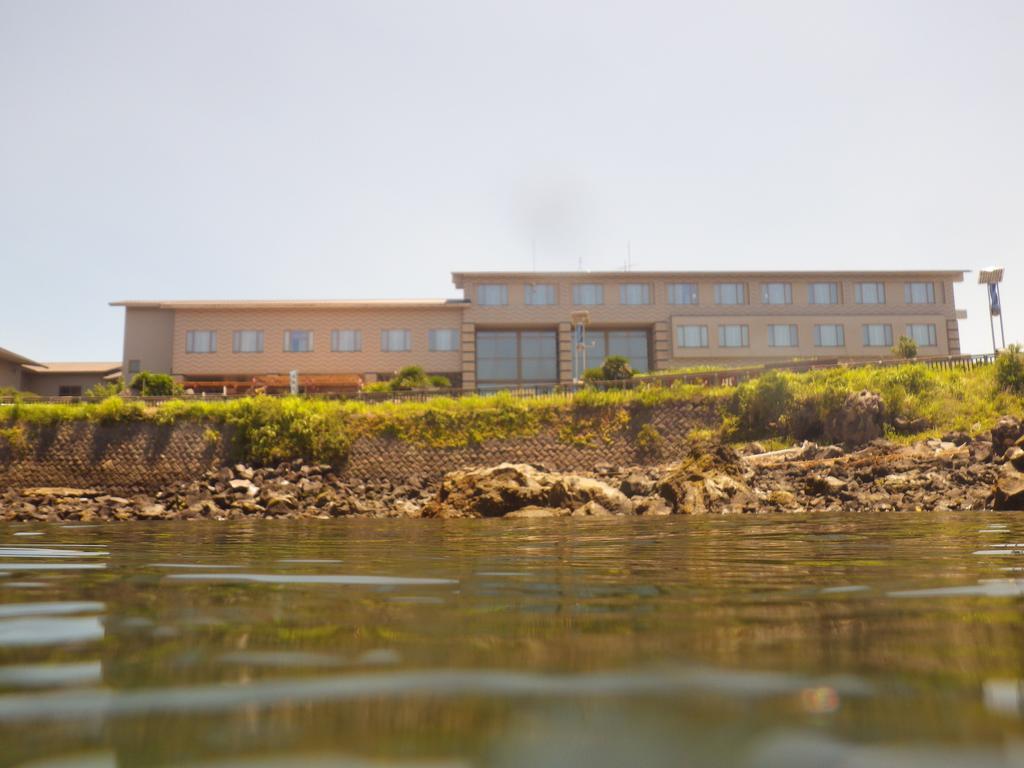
{"points": [[874, 640]]}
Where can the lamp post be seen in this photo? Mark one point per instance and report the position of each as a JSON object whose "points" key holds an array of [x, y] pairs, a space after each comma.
{"points": [[992, 277], [580, 321]]}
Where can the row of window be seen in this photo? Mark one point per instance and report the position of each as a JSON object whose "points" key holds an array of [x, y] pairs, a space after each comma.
{"points": [[592, 294], [874, 335], [391, 340]]}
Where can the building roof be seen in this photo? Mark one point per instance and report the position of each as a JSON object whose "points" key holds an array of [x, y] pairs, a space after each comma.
{"points": [[65, 368], [957, 274], [295, 304], [12, 357]]}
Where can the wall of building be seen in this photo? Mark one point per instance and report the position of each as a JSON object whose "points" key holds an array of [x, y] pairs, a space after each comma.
{"points": [[661, 318], [274, 322], [148, 340], [10, 375], [49, 384]]}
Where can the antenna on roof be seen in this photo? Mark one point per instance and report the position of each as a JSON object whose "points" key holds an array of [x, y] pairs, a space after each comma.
{"points": [[533, 249], [628, 266]]}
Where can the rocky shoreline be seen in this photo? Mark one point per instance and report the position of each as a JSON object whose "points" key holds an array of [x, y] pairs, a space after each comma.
{"points": [[958, 472]]}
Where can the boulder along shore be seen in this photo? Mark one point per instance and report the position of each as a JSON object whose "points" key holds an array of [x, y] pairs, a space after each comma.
{"points": [[957, 472]]}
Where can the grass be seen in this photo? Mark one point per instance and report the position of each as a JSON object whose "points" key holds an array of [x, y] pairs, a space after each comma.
{"points": [[776, 406]]}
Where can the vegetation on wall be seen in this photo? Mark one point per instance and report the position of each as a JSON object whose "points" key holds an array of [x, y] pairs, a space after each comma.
{"points": [[411, 377], [266, 430]]}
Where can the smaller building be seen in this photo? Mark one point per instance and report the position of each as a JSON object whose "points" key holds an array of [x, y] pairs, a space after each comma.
{"points": [[68, 379]]}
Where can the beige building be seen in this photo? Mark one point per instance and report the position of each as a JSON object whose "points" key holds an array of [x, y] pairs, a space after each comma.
{"points": [[53, 379], [515, 328]]}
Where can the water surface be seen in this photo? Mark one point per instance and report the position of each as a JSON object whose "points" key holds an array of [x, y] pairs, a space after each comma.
{"points": [[868, 640]]}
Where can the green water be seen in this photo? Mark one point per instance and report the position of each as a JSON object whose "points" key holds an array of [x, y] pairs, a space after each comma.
{"points": [[882, 640]]}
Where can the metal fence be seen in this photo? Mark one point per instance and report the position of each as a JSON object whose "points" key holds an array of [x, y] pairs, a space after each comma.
{"points": [[711, 378]]}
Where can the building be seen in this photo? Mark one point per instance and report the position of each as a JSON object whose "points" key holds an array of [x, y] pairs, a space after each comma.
{"points": [[53, 379], [515, 328]]}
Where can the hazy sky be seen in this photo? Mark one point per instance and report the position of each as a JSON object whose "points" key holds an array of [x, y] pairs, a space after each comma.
{"points": [[325, 148]]}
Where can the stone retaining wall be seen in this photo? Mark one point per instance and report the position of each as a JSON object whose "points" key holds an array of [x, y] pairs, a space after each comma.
{"points": [[124, 458]]}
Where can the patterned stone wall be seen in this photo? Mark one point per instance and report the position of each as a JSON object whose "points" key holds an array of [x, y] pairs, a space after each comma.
{"points": [[140, 457]]}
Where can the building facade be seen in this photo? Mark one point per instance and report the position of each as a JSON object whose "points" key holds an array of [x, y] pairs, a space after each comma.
{"points": [[516, 328], [20, 374]]}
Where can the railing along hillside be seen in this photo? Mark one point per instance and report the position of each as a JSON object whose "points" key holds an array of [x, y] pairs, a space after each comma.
{"points": [[724, 377]]}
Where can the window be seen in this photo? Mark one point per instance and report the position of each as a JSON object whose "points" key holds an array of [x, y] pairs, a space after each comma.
{"points": [[919, 293], [829, 336], [878, 335], [492, 295], [689, 336], [443, 340], [395, 340], [733, 336], [517, 356], [346, 341], [539, 294], [69, 390], [776, 293], [635, 293], [682, 293], [632, 345], [134, 366], [823, 293], [588, 294], [730, 293], [298, 341], [923, 334], [783, 336], [247, 341], [869, 293], [201, 342], [538, 356]]}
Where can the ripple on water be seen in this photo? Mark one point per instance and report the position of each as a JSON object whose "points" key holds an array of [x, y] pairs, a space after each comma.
{"points": [[48, 552], [991, 588], [54, 566], [696, 681], [50, 609], [49, 631], [28, 533], [280, 578], [50, 675]]}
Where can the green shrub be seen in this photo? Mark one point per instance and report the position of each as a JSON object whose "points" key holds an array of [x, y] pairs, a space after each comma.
{"points": [[1010, 369], [105, 389], [906, 348], [409, 378], [760, 404], [155, 384]]}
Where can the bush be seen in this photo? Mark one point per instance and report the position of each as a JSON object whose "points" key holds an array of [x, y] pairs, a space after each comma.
{"points": [[105, 389], [410, 377], [1010, 369], [614, 368], [760, 404], [906, 348], [155, 384]]}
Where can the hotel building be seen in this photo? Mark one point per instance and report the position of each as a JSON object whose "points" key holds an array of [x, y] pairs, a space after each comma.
{"points": [[515, 328]]}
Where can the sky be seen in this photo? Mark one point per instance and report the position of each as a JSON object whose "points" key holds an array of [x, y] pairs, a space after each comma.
{"points": [[208, 149]]}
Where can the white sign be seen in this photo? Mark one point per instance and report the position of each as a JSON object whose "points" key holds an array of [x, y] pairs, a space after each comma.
{"points": [[293, 382]]}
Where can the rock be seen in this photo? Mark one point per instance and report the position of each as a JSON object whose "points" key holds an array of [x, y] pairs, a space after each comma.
{"points": [[244, 472], [827, 485], [1015, 455], [592, 509], [635, 484], [56, 492], [246, 486], [152, 510], [858, 421], [1005, 433], [1009, 490], [957, 438], [910, 426], [497, 491], [651, 506], [533, 512]]}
